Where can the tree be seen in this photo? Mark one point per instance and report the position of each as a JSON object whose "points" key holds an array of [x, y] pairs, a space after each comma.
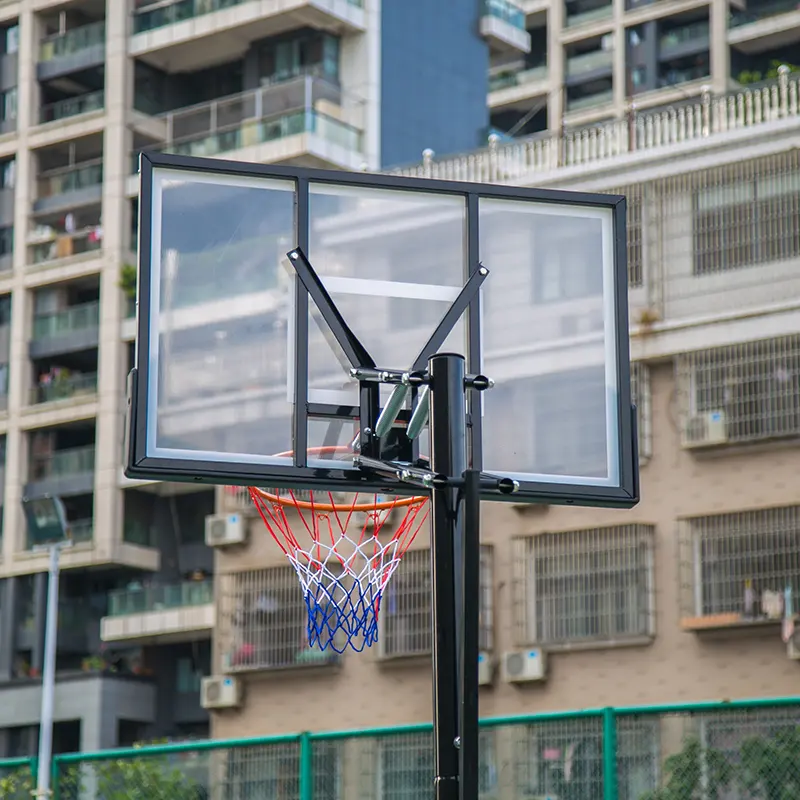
{"points": [[770, 766], [144, 778], [696, 773], [17, 784]]}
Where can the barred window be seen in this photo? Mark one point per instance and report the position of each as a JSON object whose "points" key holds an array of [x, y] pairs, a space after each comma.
{"points": [[741, 222], [635, 229], [273, 771], [405, 614], [584, 586], [640, 396], [564, 758], [263, 621], [752, 388], [740, 563], [406, 768]]}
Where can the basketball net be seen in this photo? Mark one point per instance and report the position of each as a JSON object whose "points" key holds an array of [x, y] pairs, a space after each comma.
{"points": [[344, 554]]}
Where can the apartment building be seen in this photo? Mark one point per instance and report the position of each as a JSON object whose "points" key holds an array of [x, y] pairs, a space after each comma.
{"points": [[591, 61], [85, 85], [678, 599]]}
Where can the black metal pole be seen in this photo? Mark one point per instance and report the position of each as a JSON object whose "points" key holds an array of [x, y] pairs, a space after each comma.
{"points": [[448, 457]]}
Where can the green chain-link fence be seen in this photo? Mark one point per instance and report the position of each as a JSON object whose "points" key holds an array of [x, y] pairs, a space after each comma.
{"points": [[744, 750]]}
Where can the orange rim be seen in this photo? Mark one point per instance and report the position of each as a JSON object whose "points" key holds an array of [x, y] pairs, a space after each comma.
{"points": [[398, 502]]}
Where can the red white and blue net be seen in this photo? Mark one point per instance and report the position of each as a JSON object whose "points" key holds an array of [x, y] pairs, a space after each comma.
{"points": [[344, 551]]}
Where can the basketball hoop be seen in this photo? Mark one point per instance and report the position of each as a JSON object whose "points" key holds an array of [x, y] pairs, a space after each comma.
{"points": [[344, 549]]}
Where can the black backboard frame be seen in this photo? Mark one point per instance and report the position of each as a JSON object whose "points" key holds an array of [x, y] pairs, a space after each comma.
{"points": [[349, 478]]}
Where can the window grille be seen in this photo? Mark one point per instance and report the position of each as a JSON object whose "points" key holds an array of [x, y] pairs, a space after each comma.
{"points": [[402, 767], [640, 394], [584, 586], [751, 391], [635, 229], [263, 622], [405, 614], [747, 213], [740, 563]]}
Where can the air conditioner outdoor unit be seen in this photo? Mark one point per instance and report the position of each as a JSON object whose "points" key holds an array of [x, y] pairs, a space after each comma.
{"points": [[485, 669], [225, 529], [221, 692], [524, 666], [705, 430]]}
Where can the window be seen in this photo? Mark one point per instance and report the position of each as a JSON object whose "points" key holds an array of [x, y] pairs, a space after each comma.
{"points": [[565, 268], [8, 105], [6, 241], [264, 622], [584, 586], [8, 170], [579, 446], [740, 563], [405, 615], [753, 388], [10, 41], [405, 766], [746, 222]]}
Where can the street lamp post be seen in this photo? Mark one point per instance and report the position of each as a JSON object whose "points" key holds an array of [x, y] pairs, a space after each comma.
{"points": [[47, 527]]}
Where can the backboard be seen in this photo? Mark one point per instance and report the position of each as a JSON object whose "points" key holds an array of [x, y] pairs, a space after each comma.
{"points": [[237, 380]]}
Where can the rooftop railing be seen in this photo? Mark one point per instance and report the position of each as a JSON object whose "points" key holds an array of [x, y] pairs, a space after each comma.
{"points": [[705, 119]]}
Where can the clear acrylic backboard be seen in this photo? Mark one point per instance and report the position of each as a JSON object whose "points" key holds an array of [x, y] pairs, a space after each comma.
{"points": [[237, 379]]}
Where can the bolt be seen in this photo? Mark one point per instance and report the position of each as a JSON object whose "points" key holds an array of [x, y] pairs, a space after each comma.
{"points": [[457, 742], [367, 431], [483, 271], [294, 256]]}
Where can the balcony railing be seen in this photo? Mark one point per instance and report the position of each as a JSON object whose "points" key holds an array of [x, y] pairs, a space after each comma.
{"points": [[72, 107], [59, 388], [70, 320], [73, 41], [710, 116], [159, 14], [590, 101], [520, 77], [160, 598], [271, 129], [269, 113], [63, 245], [762, 11], [81, 530], [583, 17], [698, 31], [72, 461], [589, 62], [505, 11], [70, 179]]}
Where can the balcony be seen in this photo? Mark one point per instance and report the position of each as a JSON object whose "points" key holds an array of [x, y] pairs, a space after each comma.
{"points": [[46, 244], [512, 85], [64, 387], [765, 26], [736, 569], [589, 66], [502, 24], [248, 126], [590, 101], [75, 50], [160, 614], [72, 107], [586, 17], [70, 330], [66, 188], [189, 34], [686, 41], [70, 471]]}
